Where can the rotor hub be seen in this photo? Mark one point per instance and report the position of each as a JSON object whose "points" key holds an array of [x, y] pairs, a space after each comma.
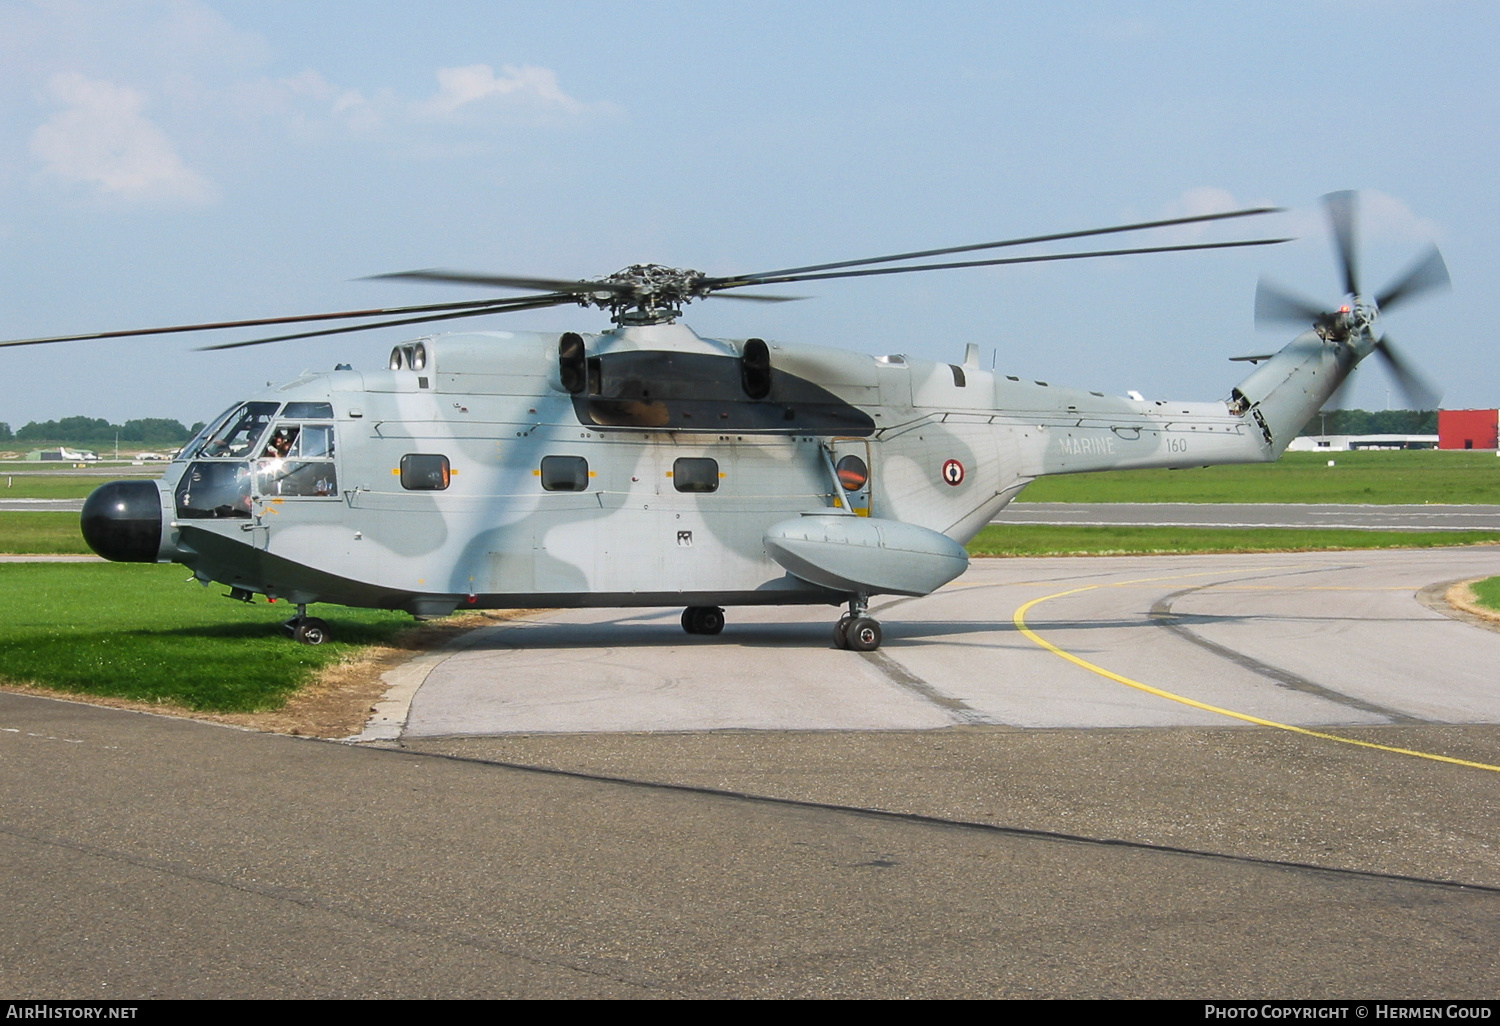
{"points": [[654, 294], [1353, 320]]}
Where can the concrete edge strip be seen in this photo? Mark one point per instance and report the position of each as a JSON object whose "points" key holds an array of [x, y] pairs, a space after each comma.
{"points": [[403, 682], [1445, 597]]}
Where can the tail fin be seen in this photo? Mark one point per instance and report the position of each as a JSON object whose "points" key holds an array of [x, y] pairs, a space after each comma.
{"points": [[1288, 390]]}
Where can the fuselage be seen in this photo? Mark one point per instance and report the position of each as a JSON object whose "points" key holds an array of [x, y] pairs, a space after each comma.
{"points": [[480, 471]]}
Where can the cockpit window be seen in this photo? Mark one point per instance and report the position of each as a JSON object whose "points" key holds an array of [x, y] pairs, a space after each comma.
{"points": [[235, 435], [211, 491], [308, 411], [191, 449], [297, 460]]}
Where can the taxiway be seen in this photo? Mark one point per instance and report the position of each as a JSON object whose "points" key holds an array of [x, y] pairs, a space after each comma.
{"points": [[628, 811]]}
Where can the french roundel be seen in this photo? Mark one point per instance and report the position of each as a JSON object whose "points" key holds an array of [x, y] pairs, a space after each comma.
{"points": [[953, 472]]}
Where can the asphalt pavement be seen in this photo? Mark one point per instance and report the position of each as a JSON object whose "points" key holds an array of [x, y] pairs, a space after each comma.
{"points": [[1049, 828]]}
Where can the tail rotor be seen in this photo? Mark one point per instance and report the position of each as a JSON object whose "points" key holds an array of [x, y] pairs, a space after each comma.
{"points": [[1353, 322]]}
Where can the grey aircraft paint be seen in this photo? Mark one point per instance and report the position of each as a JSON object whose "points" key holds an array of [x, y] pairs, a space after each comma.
{"points": [[468, 476], [650, 466]]}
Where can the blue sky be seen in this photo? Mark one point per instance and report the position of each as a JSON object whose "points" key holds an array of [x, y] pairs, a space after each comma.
{"points": [[164, 162]]}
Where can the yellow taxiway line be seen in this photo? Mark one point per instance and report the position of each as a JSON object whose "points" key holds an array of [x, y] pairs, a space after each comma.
{"points": [[1020, 621]]}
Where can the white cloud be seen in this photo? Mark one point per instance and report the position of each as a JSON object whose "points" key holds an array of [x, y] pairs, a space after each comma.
{"points": [[463, 88], [472, 98], [1383, 216], [1380, 219], [1204, 199], [103, 138]]}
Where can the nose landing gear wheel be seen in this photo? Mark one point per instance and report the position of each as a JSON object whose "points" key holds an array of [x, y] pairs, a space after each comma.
{"points": [[841, 631], [703, 619]]}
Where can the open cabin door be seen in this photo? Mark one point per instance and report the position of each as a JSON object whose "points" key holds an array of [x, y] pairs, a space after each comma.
{"points": [[854, 465]]}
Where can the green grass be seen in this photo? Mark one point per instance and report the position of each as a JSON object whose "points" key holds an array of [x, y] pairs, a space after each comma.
{"points": [[1029, 540], [44, 533], [1487, 593], [50, 486], [1358, 477], [139, 631]]}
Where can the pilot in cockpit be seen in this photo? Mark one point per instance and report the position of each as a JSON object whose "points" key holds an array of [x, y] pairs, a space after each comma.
{"points": [[280, 444]]}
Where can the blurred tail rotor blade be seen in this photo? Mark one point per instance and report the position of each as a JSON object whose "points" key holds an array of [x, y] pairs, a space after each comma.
{"points": [[1342, 395], [1275, 305], [1428, 273], [1341, 218], [1420, 393]]}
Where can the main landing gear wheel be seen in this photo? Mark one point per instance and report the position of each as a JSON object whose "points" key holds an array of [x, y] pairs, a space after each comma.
{"points": [[862, 634], [703, 619], [311, 631]]}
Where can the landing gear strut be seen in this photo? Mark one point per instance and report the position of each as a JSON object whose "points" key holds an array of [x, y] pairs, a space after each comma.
{"points": [[855, 630], [703, 619], [307, 629]]}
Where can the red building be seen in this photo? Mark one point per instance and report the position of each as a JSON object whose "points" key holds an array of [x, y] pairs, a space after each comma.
{"points": [[1468, 429]]}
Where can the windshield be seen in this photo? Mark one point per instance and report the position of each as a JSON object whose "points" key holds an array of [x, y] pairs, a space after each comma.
{"points": [[234, 435]]}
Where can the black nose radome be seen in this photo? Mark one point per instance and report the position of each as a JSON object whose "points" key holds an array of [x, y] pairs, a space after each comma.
{"points": [[122, 521]]}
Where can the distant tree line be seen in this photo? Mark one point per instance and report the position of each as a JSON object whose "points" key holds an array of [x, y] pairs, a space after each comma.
{"points": [[98, 433], [1379, 422]]}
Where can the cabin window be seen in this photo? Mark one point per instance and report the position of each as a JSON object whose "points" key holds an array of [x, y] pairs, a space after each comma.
{"points": [[424, 472], [695, 474], [852, 472], [565, 473]]}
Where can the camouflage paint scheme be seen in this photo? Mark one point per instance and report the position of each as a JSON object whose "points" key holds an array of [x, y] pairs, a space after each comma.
{"points": [[495, 405]]}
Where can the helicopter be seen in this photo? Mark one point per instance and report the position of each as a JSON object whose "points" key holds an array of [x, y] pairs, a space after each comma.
{"points": [[646, 465]]}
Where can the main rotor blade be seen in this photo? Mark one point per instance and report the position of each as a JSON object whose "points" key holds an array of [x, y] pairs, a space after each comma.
{"points": [[1429, 272], [754, 298], [1275, 305], [1420, 392], [503, 281], [924, 253], [1342, 211], [523, 303], [256, 322], [1005, 260]]}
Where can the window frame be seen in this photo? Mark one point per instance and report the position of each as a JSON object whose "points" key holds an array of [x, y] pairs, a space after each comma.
{"points": [[696, 484], [580, 478], [444, 470]]}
